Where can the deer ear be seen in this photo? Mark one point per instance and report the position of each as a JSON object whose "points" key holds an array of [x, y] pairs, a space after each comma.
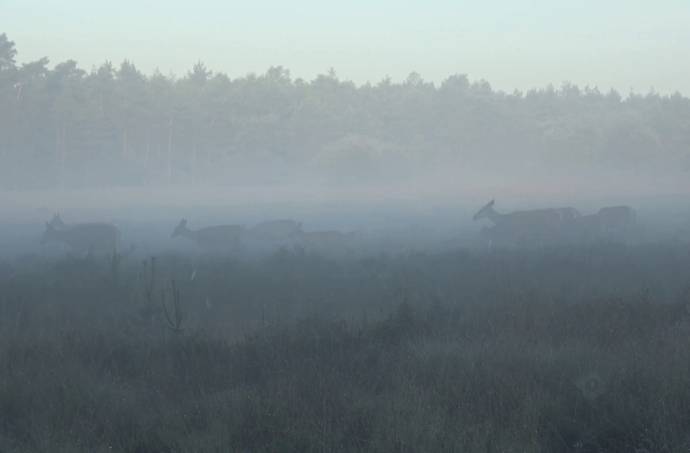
{"points": [[491, 203]]}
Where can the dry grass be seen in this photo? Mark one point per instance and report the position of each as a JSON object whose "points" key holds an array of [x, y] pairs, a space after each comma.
{"points": [[509, 352]]}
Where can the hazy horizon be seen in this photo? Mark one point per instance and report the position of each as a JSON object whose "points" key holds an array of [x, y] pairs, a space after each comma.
{"points": [[512, 47], [112, 143]]}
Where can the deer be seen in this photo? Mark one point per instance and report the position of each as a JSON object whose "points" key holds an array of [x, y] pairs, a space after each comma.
{"points": [[617, 219], [527, 227], [610, 221], [83, 237], [272, 230], [535, 216], [219, 237], [329, 241]]}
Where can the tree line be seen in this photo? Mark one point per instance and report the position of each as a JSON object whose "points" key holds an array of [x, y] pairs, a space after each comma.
{"points": [[114, 125]]}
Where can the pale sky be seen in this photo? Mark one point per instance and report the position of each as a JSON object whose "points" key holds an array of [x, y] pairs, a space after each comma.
{"points": [[624, 44]]}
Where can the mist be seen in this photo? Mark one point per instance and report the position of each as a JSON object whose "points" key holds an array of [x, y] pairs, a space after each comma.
{"points": [[222, 231], [108, 142]]}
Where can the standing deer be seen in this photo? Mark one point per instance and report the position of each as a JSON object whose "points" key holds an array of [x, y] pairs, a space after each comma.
{"points": [[326, 242], [83, 237], [531, 227], [617, 219], [273, 230], [552, 215], [611, 222], [220, 237]]}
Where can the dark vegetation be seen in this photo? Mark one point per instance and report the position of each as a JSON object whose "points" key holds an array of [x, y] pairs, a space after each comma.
{"points": [[61, 125], [561, 350]]}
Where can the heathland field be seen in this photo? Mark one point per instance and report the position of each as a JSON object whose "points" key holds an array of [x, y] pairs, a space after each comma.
{"points": [[555, 350]]}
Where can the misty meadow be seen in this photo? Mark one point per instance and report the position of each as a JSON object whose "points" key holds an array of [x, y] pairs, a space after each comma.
{"points": [[196, 262]]}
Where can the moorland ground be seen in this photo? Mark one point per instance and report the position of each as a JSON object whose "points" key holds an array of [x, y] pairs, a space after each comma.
{"points": [[570, 349]]}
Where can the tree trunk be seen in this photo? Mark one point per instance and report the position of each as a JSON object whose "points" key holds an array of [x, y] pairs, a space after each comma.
{"points": [[194, 161], [170, 140], [60, 154], [147, 156], [124, 144]]}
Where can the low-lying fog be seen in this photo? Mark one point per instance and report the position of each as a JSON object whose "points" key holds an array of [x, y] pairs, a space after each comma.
{"points": [[404, 164], [410, 216]]}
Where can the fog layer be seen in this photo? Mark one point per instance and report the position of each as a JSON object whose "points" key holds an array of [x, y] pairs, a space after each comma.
{"points": [[115, 144]]}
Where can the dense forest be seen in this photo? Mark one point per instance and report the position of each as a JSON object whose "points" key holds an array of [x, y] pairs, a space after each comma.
{"points": [[61, 125]]}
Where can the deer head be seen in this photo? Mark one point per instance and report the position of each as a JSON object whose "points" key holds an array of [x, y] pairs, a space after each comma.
{"points": [[484, 211], [180, 229]]}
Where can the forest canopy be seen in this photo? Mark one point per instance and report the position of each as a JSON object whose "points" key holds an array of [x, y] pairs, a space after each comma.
{"points": [[63, 125]]}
